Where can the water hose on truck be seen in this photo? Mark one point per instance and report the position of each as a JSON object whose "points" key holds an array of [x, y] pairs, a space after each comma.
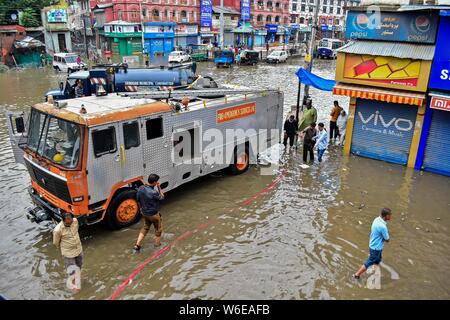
{"points": [[188, 234]]}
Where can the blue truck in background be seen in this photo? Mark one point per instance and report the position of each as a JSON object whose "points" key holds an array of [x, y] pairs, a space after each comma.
{"points": [[120, 78]]}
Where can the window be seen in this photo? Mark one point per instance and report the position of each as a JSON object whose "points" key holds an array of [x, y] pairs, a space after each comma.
{"points": [[155, 13], [104, 141], [131, 134], [293, 19], [154, 128], [294, 7], [338, 10], [302, 8]]}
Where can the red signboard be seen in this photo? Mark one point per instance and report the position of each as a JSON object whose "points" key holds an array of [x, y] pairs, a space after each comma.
{"points": [[236, 112], [440, 103]]}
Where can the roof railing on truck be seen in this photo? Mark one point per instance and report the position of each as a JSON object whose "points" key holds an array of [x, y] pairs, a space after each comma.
{"points": [[211, 94]]}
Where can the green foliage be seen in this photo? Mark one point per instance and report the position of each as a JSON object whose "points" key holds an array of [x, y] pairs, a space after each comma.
{"points": [[31, 10], [29, 20]]}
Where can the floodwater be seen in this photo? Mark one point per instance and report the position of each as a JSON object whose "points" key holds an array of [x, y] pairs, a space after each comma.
{"points": [[301, 240]]}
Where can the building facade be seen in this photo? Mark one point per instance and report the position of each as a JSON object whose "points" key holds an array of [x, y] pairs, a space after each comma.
{"points": [[331, 16], [434, 147], [385, 71]]}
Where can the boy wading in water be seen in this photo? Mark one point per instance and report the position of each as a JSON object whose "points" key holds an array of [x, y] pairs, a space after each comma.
{"points": [[149, 197], [378, 236]]}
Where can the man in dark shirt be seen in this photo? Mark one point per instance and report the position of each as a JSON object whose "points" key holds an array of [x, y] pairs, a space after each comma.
{"points": [[308, 142], [290, 129], [149, 197]]}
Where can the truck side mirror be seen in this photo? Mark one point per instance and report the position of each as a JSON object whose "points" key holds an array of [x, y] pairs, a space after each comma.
{"points": [[20, 125]]}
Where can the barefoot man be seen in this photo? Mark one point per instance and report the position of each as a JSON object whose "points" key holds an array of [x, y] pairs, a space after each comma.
{"points": [[66, 237], [378, 236]]}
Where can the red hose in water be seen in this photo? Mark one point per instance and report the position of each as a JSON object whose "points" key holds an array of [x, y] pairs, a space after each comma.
{"points": [[188, 234]]}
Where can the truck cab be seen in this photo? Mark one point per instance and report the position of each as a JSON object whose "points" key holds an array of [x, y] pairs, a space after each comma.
{"points": [[67, 90]]}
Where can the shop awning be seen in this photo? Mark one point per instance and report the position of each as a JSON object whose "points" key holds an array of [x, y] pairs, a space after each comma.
{"points": [[393, 96], [390, 49], [317, 82]]}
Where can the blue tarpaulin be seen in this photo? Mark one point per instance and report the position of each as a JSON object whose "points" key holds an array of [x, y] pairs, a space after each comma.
{"points": [[311, 79]]}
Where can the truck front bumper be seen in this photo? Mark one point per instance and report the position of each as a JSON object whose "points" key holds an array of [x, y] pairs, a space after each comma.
{"points": [[44, 210]]}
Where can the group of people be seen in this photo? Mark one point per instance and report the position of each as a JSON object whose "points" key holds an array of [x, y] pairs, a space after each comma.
{"points": [[66, 236], [315, 135]]}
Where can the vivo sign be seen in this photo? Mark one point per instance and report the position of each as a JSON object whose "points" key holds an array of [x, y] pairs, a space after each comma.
{"points": [[440, 103], [376, 123]]}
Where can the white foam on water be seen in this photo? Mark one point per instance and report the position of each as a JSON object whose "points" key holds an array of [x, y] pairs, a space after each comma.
{"points": [[394, 274], [304, 166], [271, 155], [374, 281]]}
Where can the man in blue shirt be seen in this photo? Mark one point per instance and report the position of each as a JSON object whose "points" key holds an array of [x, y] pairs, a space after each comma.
{"points": [[149, 197], [321, 141], [378, 236]]}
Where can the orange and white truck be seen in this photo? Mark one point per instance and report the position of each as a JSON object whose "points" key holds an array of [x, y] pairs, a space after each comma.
{"points": [[88, 155]]}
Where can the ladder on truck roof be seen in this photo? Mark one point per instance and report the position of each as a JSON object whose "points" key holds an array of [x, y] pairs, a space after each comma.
{"points": [[211, 93]]}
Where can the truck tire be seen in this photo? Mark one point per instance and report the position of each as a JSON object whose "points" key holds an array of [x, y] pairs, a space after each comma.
{"points": [[241, 161], [123, 211]]}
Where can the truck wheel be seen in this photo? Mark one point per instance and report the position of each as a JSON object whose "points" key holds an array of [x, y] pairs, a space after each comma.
{"points": [[123, 211], [241, 162]]}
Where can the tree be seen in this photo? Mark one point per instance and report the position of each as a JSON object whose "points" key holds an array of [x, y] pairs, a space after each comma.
{"points": [[29, 19], [31, 10]]}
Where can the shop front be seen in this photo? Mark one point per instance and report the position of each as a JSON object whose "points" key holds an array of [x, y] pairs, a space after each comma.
{"points": [[124, 39], [434, 147], [159, 38], [387, 94], [260, 37], [206, 35], [272, 33], [186, 35]]}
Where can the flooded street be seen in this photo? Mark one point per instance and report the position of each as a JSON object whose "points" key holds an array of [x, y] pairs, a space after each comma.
{"points": [[301, 240]]}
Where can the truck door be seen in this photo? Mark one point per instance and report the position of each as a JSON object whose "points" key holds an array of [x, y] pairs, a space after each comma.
{"points": [[187, 151], [17, 123], [274, 121], [132, 164], [104, 161], [155, 138]]}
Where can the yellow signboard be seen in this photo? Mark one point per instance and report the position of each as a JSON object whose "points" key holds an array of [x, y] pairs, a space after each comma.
{"points": [[386, 72]]}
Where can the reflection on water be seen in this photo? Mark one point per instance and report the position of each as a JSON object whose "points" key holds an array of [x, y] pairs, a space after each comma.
{"points": [[302, 240]]}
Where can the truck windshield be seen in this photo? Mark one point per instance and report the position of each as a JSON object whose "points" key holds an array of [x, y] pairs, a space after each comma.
{"points": [[55, 139], [323, 44]]}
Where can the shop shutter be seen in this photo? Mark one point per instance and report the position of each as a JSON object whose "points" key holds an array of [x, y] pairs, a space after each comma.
{"points": [[383, 130], [437, 150], [181, 41], [191, 40], [228, 39]]}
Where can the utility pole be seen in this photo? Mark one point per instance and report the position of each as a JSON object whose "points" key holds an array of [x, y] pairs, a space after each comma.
{"points": [[221, 25], [85, 37], [312, 41], [142, 27]]}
